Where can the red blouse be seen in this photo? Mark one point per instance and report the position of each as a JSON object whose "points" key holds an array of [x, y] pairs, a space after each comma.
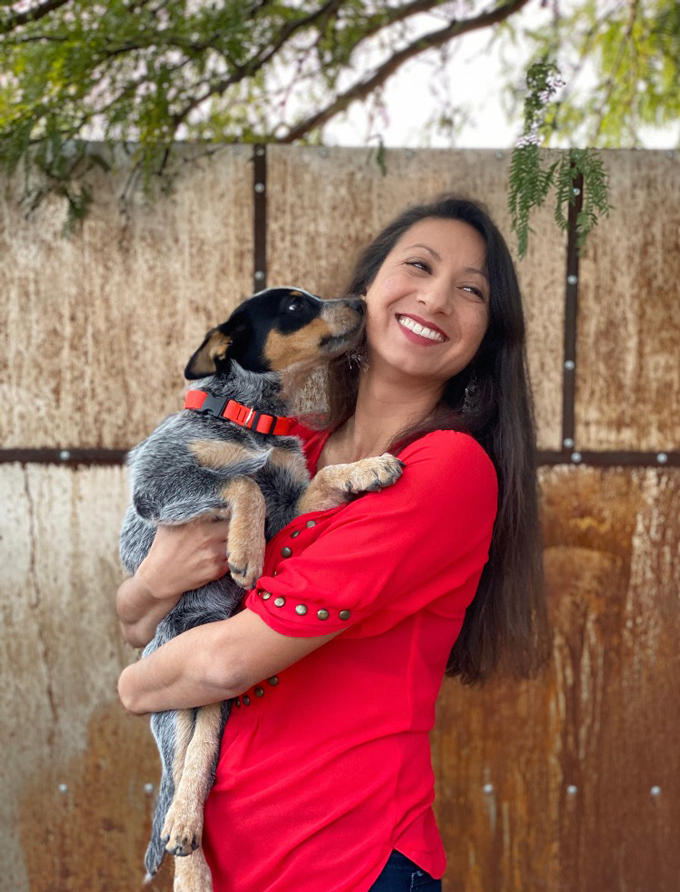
{"points": [[326, 768]]}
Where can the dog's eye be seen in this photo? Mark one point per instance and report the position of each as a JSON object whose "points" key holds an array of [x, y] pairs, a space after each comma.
{"points": [[293, 306]]}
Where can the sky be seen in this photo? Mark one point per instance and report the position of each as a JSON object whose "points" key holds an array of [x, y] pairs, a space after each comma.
{"points": [[473, 76]]}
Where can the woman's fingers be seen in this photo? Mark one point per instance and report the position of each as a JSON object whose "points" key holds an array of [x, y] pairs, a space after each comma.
{"points": [[186, 557]]}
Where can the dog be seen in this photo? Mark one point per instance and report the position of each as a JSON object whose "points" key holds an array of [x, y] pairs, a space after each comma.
{"points": [[228, 454]]}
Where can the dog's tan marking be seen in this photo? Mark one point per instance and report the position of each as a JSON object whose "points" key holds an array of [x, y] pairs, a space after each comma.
{"points": [[184, 820], [219, 454], [183, 731], [192, 873], [336, 319], [334, 483], [293, 462], [284, 350], [339, 316], [214, 347], [246, 529]]}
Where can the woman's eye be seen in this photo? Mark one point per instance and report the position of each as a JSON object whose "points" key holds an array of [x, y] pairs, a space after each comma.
{"points": [[473, 290], [419, 264]]}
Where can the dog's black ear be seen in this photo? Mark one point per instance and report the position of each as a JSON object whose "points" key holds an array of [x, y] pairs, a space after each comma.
{"points": [[211, 356]]}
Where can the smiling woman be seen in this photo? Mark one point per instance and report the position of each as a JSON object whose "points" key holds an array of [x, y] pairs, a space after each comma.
{"points": [[446, 267], [324, 780], [428, 305]]}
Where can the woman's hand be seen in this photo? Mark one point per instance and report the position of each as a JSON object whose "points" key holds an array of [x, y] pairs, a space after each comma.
{"points": [[185, 557], [181, 558]]}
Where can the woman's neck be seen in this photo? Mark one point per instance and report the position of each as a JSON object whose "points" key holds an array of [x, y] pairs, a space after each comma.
{"points": [[384, 408]]}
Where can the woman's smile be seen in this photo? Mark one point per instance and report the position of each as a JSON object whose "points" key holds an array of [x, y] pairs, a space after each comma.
{"points": [[419, 330], [428, 306]]}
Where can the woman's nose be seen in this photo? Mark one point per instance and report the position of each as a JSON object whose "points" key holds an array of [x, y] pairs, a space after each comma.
{"points": [[436, 297]]}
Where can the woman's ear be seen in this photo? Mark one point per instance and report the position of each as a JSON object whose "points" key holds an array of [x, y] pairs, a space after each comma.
{"points": [[211, 354]]}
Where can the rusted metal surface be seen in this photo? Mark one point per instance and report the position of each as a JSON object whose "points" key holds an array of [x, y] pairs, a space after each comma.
{"points": [[84, 824], [260, 202], [573, 758], [74, 811], [326, 204], [604, 718], [102, 324], [69, 457], [628, 373], [570, 316]]}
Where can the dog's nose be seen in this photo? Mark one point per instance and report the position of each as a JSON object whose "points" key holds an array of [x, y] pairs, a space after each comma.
{"points": [[359, 305]]}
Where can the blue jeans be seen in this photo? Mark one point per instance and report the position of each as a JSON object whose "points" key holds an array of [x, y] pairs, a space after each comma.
{"points": [[400, 874]]}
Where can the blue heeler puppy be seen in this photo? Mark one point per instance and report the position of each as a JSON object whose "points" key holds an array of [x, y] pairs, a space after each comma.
{"points": [[227, 455]]}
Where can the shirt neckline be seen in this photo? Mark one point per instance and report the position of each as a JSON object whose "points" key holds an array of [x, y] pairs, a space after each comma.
{"points": [[314, 453]]}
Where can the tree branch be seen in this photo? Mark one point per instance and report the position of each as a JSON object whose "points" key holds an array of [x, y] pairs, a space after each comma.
{"points": [[30, 15], [611, 82], [248, 69], [363, 88], [398, 14]]}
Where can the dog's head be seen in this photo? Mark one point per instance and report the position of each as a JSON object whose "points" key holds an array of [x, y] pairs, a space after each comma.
{"points": [[277, 330]]}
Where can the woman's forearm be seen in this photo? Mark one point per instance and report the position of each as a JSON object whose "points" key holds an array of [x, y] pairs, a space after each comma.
{"points": [[140, 609], [190, 670], [210, 663]]}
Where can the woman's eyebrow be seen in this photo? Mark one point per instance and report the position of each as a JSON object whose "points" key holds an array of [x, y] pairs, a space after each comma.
{"points": [[427, 248], [468, 269], [473, 269]]}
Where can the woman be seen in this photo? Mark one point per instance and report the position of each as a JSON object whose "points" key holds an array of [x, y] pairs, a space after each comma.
{"points": [[325, 780]]}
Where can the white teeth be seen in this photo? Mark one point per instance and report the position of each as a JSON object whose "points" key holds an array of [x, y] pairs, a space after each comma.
{"points": [[419, 329]]}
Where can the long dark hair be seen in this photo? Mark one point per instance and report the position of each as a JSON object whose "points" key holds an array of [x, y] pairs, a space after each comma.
{"points": [[506, 624]]}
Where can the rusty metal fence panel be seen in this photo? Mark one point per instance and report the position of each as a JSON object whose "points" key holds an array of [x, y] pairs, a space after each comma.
{"points": [[572, 782], [325, 205], [101, 324], [629, 327], [569, 782]]}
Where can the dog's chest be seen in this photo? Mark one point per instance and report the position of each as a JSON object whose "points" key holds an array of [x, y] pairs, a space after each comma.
{"points": [[282, 480]]}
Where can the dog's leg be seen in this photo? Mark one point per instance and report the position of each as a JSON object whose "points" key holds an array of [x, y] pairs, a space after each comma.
{"points": [[172, 732], [184, 821], [333, 483], [185, 728], [192, 874], [292, 461], [246, 529]]}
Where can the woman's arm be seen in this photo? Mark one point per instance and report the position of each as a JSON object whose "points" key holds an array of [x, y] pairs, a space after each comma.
{"points": [[210, 663], [181, 558]]}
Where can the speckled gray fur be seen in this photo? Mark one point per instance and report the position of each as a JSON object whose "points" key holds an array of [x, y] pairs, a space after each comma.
{"points": [[170, 487]]}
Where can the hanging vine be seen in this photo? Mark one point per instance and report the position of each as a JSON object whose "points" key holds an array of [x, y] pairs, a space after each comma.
{"points": [[534, 172]]}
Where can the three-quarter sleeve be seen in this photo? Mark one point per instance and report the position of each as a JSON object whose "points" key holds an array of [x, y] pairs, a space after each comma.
{"points": [[362, 568]]}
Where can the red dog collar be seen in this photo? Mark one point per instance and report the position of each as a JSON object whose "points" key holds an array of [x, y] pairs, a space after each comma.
{"points": [[223, 407]]}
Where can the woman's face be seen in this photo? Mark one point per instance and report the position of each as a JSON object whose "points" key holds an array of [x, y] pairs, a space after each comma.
{"points": [[428, 306]]}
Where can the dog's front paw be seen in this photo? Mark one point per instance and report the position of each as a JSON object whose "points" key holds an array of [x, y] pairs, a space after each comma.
{"points": [[183, 830], [372, 474], [245, 565]]}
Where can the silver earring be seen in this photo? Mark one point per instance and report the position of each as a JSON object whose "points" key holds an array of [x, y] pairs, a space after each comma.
{"points": [[470, 391], [357, 360]]}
